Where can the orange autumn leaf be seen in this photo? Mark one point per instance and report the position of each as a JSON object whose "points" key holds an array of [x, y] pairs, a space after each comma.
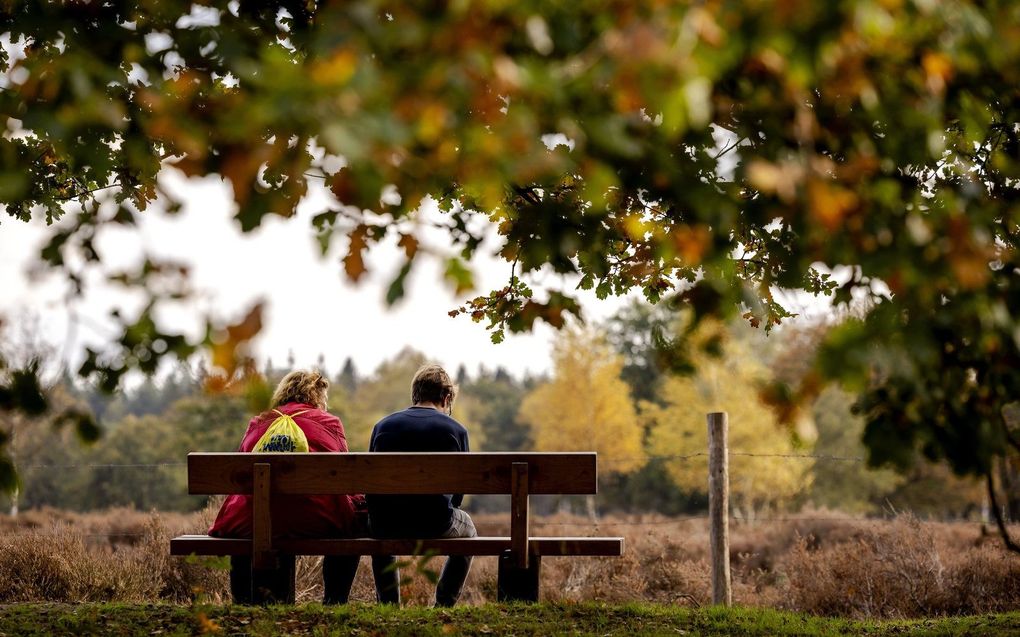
{"points": [[691, 242], [229, 346], [938, 69], [336, 70], [829, 204], [354, 261]]}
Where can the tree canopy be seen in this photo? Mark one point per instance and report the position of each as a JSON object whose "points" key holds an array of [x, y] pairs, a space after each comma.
{"points": [[712, 153]]}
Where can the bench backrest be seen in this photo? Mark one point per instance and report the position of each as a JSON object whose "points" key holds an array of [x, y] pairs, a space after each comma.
{"points": [[393, 473], [516, 474]]}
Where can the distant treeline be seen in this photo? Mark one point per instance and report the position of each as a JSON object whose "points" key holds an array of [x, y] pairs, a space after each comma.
{"points": [[623, 388]]}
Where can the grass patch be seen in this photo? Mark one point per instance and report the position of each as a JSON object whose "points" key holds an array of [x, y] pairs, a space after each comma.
{"points": [[633, 620]]}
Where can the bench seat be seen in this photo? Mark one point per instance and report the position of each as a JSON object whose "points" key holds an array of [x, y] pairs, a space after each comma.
{"points": [[543, 546]]}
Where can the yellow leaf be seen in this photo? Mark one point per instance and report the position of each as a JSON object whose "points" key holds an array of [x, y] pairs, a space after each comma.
{"points": [[775, 179], [938, 69], [336, 70], [207, 626], [829, 203], [432, 122]]}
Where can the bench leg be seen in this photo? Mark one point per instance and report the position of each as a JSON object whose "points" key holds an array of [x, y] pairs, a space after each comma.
{"points": [[276, 585], [515, 584]]}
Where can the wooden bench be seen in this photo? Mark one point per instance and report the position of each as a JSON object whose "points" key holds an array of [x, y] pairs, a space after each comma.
{"points": [[521, 475]]}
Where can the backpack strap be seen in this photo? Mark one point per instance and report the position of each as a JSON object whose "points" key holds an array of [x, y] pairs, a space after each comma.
{"points": [[296, 413]]}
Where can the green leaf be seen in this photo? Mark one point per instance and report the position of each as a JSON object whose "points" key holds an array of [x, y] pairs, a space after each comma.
{"points": [[22, 391], [458, 273], [84, 423], [395, 292]]}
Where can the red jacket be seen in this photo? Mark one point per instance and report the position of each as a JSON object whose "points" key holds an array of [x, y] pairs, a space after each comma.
{"points": [[295, 516]]}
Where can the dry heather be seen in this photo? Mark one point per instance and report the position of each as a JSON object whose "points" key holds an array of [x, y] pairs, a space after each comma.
{"points": [[822, 563]]}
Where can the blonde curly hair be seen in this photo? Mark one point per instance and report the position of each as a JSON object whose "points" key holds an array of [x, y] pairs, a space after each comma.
{"points": [[302, 386]]}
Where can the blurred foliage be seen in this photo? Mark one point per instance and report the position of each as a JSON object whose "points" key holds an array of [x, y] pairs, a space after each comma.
{"points": [[848, 485], [716, 152]]}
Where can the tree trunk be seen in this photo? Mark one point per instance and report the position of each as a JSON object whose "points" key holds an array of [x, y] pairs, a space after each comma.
{"points": [[589, 502], [1009, 476]]}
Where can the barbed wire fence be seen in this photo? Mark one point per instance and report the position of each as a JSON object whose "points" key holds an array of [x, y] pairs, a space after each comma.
{"points": [[609, 460]]}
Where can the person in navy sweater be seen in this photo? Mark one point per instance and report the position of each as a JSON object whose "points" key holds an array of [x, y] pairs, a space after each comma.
{"points": [[426, 426]]}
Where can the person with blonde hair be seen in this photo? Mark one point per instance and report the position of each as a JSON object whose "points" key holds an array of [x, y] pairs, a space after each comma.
{"points": [[301, 395], [426, 426]]}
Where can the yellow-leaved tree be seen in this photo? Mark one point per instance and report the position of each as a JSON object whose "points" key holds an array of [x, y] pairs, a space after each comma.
{"points": [[728, 382], [586, 406]]}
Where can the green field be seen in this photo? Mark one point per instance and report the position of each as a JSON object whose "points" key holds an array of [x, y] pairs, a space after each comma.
{"points": [[541, 619]]}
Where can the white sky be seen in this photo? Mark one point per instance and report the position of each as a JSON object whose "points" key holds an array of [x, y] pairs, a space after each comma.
{"points": [[312, 308]]}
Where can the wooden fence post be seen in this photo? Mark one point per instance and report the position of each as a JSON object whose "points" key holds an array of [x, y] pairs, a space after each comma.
{"points": [[719, 506]]}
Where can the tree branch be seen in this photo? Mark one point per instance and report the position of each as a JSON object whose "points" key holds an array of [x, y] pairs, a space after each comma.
{"points": [[730, 147], [85, 193]]}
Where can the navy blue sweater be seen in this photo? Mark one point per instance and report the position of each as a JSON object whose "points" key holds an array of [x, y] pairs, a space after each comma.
{"points": [[421, 429]]}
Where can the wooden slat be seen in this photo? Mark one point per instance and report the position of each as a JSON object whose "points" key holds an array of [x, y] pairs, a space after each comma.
{"points": [[365, 546], [548, 546], [392, 473], [206, 545], [519, 514], [261, 521]]}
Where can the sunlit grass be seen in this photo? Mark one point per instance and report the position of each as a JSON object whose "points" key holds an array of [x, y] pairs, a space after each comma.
{"points": [[490, 619]]}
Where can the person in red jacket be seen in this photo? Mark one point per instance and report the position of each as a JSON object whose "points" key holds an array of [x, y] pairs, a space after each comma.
{"points": [[301, 395]]}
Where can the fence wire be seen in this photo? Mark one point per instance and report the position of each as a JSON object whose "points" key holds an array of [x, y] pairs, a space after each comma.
{"points": [[606, 460], [149, 465]]}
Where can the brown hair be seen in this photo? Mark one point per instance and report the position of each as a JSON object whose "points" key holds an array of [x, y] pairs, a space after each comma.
{"points": [[302, 386], [432, 384]]}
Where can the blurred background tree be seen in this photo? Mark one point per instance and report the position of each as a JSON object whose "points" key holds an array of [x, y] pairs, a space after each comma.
{"points": [[586, 406], [840, 482], [729, 379]]}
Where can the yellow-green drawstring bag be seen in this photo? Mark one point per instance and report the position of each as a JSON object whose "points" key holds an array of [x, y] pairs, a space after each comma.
{"points": [[283, 435]]}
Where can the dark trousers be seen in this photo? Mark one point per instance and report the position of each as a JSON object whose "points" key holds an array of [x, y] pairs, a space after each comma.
{"points": [[451, 579], [277, 585]]}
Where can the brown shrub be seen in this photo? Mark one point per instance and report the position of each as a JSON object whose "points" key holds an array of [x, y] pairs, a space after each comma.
{"points": [[902, 568], [58, 565], [821, 562]]}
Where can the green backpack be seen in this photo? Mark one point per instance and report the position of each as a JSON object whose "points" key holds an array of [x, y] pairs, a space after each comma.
{"points": [[283, 435]]}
